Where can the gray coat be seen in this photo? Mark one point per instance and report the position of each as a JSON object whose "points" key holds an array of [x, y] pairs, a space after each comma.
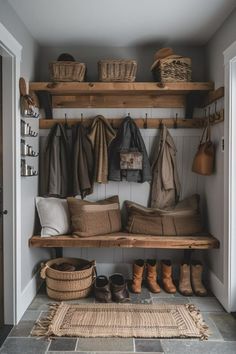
{"points": [[165, 188], [55, 169], [128, 137]]}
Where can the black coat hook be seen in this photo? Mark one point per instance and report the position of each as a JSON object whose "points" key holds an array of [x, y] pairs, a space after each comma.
{"points": [[66, 121], [145, 125], [176, 121]]}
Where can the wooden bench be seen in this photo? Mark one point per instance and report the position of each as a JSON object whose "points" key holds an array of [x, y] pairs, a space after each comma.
{"points": [[126, 240]]}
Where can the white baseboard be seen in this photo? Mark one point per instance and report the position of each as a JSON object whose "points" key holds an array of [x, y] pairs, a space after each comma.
{"points": [[27, 296], [219, 289]]}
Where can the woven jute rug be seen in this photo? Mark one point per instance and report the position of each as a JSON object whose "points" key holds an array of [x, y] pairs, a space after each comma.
{"points": [[122, 320]]}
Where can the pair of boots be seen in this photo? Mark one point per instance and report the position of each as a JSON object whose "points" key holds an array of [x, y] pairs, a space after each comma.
{"points": [[112, 289], [190, 279], [151, 276]]}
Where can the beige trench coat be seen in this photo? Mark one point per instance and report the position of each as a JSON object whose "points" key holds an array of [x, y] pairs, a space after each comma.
{"points": [[165, 187]]}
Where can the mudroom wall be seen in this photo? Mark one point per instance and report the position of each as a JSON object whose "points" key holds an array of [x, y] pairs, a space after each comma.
{"points": [[29, 186], [144, 54], [110, 260], [221, 40]]}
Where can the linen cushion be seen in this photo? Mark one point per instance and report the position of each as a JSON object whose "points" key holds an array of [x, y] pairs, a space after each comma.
{"points": [[94, 218], [53, 215], [182, 220]]}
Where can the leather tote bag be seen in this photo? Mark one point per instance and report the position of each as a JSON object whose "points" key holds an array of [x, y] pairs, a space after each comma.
{"points": [[203, 161]]}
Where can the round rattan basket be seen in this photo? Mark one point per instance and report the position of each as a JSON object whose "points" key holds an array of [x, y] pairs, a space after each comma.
{"points": [[68, 285]]}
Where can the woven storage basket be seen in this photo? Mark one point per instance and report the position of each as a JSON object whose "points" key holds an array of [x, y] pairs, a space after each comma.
{"points": [[68, 285], [117, 70], [173, 70], [67, 71]]}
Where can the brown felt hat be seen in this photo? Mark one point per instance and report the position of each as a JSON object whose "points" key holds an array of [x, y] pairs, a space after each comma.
{"points": [[162, 54]]}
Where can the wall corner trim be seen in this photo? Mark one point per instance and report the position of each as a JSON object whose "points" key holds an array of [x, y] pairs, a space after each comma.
{"points": [[218, 289], [26, 297], [7, 39], [229, 53]]}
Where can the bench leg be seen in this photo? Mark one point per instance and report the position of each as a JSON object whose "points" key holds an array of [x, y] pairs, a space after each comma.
{"points": [[187, 255], [57, 252]]}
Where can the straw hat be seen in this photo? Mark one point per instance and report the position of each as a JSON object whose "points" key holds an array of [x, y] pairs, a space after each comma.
{"points": [[163, 53]]}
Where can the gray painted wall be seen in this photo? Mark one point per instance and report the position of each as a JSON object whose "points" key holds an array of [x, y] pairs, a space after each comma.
{"points": [[222, 39], [29, 186], [143, 54]]}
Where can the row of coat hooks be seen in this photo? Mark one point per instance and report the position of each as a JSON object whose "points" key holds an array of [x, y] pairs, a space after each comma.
{"points": [[143, 123]]}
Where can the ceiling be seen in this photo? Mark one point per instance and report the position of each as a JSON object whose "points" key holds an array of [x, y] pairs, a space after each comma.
{"points": [[122, 22]]}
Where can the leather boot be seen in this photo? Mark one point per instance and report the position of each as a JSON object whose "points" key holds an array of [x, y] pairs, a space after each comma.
{"points": [[184, 280], [196, 278], [138, 269], [118, 288], [102, 290], [168, 285], [151, 266]]}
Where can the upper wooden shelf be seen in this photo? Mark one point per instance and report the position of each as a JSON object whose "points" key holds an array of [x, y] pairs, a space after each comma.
{"points": [[67, 88]]}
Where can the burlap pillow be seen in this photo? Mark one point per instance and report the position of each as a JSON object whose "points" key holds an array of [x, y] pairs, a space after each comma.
{"points": [[182, 220], [94, 218]]}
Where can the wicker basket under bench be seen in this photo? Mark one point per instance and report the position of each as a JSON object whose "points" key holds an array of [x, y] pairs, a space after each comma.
{"points": [[127, 240]]}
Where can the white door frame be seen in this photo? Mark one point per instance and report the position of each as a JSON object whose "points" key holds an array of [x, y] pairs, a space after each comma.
{"points": [[230, 177], [10, 50]]}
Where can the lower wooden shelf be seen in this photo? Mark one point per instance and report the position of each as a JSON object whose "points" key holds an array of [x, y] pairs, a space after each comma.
{"points": [[127, 240]]}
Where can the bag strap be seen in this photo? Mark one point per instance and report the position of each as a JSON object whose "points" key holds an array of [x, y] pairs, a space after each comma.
{"points": [[206, 132], [208, 129]]}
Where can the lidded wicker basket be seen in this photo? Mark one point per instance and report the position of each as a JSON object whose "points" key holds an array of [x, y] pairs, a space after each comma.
{"points": [[117, 70], [67, 71], [173, 69], [169, 67], [68, 285]]}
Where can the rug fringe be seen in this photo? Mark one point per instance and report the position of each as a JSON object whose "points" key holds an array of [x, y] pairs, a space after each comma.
{"points": [[42, 326], [199, 321]]}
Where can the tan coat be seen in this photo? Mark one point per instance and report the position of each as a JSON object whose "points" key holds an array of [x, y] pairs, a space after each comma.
{"points": [[101, 135], [165, 188]]}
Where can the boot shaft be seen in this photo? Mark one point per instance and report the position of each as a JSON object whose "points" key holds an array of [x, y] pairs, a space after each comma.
{"points": [[185, 287], [166, 267], [167, 281], [118, 288], [102, 289], [151, 269], [138, 268], [196, 279]]}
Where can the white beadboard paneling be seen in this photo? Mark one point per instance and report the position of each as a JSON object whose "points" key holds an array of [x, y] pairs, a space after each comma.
{"points": [[124, 191], [111, 188], [186, 141], [189, 179]]}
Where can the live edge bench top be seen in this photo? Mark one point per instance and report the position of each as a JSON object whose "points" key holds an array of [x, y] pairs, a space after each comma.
{"points": [[127, 240]]}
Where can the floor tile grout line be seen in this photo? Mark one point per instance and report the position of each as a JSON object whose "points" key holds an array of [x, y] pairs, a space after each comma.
{"points": [[48, 346], [76, 344], [134, 346]]}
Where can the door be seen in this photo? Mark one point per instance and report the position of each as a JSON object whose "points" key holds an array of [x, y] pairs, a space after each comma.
{"points": [[1, 201]]}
